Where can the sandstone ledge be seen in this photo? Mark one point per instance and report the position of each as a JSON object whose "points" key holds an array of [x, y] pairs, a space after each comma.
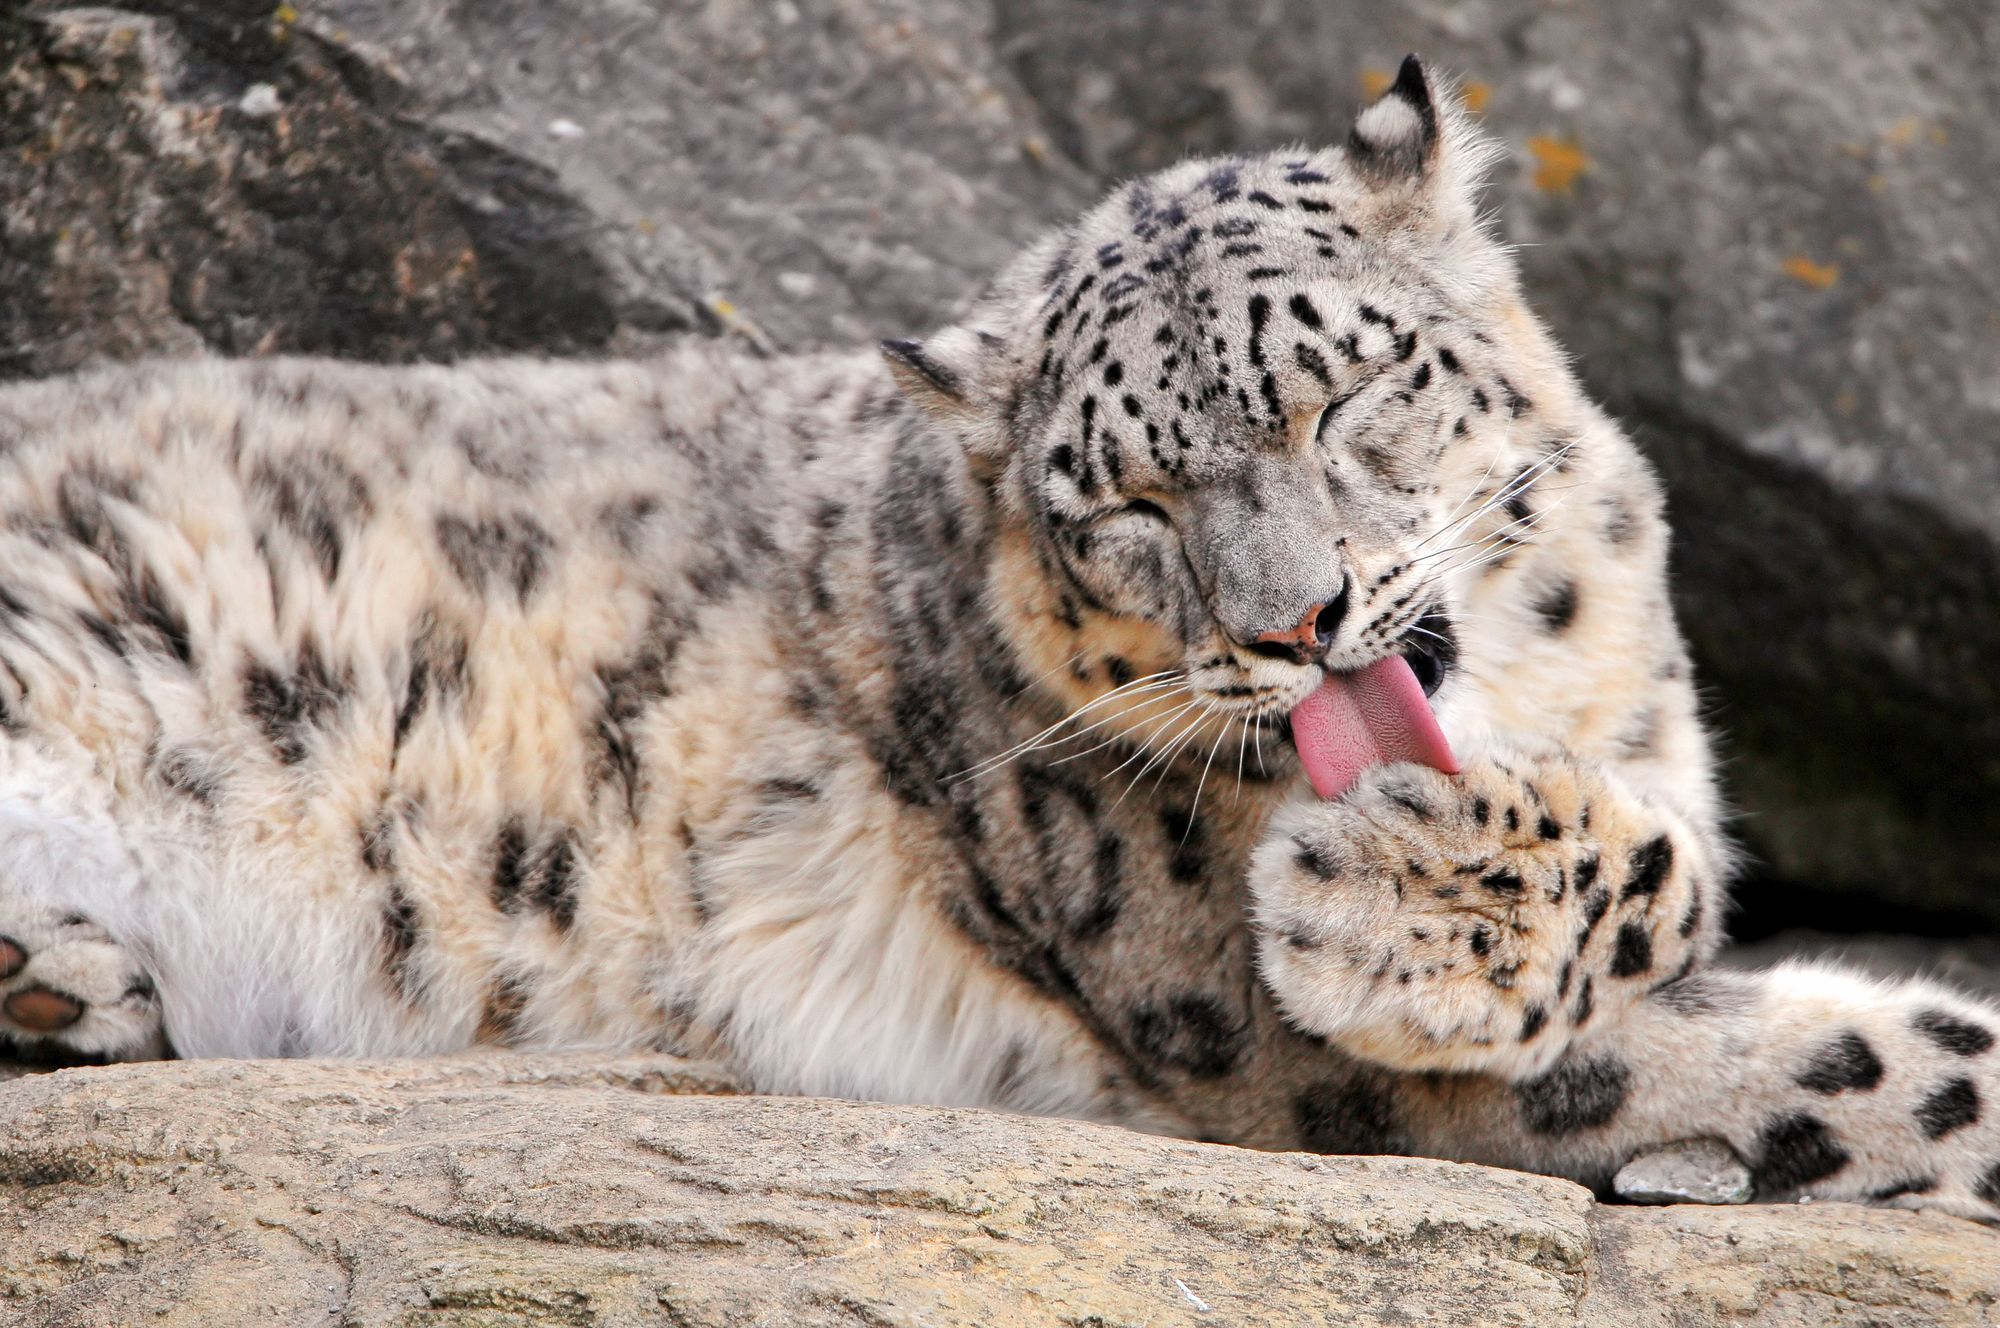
{"points": [[557, 1191]]}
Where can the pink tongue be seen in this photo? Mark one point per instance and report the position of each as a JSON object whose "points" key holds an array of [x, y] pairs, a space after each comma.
{"points": [[1372, 717]]}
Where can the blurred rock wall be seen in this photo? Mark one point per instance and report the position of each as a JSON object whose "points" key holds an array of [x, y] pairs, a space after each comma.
{"points": [[1770, 234]]}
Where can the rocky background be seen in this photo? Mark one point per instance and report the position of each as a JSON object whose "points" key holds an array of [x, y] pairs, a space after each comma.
{"points": [[1769, 234]]}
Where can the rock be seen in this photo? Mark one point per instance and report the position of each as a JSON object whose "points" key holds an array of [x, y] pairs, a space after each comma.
{"points": [[1970, 963], [512, 1190], [215, 181], [1703, 1171], [831, 173], [425, 180]]}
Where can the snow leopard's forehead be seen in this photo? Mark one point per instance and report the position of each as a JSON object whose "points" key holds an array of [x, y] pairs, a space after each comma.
{"points": [[1217, 305], [1200, 309]]}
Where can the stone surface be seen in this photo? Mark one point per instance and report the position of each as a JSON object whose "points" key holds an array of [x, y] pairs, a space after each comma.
{"points": [[394, 180], [520, 1191], [826, 171], [145, 211], [1765, 230], [1971, 963], [1703, 1171]]}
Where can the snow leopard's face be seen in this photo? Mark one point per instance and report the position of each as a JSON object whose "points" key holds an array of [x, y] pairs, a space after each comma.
{"points": [[1236, 386]]}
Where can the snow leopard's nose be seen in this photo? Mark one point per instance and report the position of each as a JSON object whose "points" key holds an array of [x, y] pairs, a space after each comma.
{"points": [[1307, 640]]}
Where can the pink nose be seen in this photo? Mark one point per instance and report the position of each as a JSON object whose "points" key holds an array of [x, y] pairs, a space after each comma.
{"points": [[1308, 639]]}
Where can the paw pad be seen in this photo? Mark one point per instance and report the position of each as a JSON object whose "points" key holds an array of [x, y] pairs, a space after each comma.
{"points": [[41, 1010], [69, 992]]}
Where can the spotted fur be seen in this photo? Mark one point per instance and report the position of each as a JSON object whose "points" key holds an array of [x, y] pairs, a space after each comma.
{"points": [[919, 732]]}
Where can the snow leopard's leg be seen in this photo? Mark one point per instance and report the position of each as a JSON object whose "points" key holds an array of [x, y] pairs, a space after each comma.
{"points": [[74, 982], [122, 934], [128, 932], [69, 990], [1829, 1084], [1539, 926], [1482, 921]]}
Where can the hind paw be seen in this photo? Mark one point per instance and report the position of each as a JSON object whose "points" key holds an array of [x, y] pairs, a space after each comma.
{"points": [[68, 991]]}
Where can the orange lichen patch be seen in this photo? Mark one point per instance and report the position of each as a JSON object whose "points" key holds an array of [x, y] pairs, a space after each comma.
{"points": [[1558, 161], [1905, 132], [1375, 82], [1819, 276], [1475, 95]]}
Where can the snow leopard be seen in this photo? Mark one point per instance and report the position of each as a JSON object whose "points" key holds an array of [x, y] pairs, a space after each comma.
{"points": [[924, 723]]}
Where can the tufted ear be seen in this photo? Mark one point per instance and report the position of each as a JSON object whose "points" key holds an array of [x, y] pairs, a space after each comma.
{"points": [[958, 378], [950, 376], [1426, 160], [1396, 137]]}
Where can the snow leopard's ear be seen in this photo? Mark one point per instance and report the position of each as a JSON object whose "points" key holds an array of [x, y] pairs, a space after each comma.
{"points": [[1396, 137], [1416, 146], [952, 375]]}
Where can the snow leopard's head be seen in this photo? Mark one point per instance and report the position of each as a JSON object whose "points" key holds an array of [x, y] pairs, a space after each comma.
{"points": [[1227, 411]]}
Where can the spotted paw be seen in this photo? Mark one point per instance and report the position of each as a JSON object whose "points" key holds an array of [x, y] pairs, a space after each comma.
{"points": [[1470, 922], [69, 991]]}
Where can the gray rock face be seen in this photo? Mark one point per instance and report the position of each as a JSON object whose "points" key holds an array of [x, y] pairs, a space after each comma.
{"points": [[422, 180], [517, 1191], [216, 182], [831, 172], [1971, 963], [1766, 231], [1703, 1171]]}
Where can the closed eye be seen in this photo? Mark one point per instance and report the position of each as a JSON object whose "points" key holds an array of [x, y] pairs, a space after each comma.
{"points": [[1342, 406], [1140, 507]]}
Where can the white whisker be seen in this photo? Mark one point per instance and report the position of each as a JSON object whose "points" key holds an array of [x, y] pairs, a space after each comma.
{"points": [[1485, 475], [1115, 738], [1045, 741], [1514, 487], [1160, 758], [1152, 682], [1505, 535], [1195, 806], [1500, 541], [1146, 743], [1242, 737], [1045, 676], [1519, 484]]}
